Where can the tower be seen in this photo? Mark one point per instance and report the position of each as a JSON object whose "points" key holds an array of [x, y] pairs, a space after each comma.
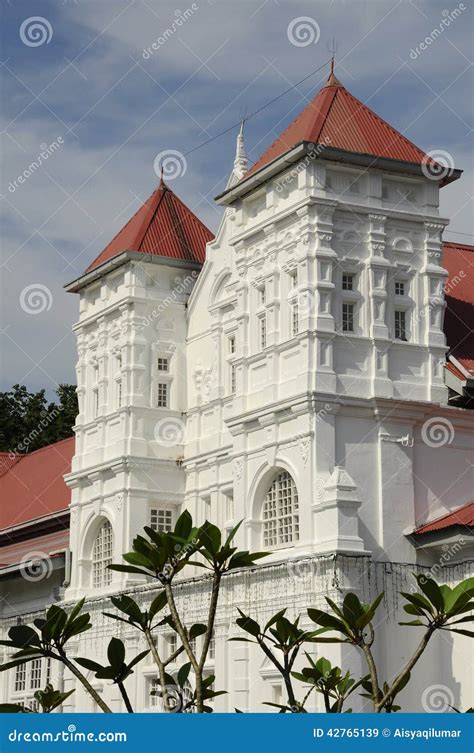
{"points": [[131, 376]]}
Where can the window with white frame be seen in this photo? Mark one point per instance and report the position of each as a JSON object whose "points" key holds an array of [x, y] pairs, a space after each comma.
{"points": [[400, 325], [211, 653], [347, 281], [262, 331], [153, 690], [262, 295], [293, 278], [399, 287], [294, 318], [280, 512], [162, 395], [162, 364], [348, 310], [29, 678], [161, 519], [102, 553], [20, 678], [95, 391], [35, 674], [171, 643], [231, 345]]}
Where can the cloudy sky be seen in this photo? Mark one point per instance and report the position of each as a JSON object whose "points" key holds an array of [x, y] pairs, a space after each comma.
{"points": [[85, 83]]}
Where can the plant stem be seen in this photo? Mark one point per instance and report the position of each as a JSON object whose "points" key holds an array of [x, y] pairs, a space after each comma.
{"points": [[389, 695], [159, 664], [125, 697], [183, 634], [216, 582], [373, 674], [85, 682]]}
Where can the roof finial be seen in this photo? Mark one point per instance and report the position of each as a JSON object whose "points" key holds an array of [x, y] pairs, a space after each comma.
{"points": [[162, 169], [240, 161], [332, 80]]}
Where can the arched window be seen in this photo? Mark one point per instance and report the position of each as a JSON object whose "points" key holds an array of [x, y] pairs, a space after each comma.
{"points": [[280, 512], [102, 556]]}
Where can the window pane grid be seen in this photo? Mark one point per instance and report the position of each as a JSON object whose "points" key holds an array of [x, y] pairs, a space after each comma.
{"points": [[348, 317], [20, 678], [162, 364], [161, 520], [35, 674], [400, 325], [347, 282], [162, 400], [280, 512], [102, 556]]}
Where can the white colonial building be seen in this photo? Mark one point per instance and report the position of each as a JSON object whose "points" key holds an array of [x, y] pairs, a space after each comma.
{"points": [[294, 373]]}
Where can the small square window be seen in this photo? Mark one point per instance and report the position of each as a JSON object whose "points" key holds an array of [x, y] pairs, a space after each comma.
{"points": [[163, 364], [347, 282], [399, 288], [400, 325], [161, 520], [162, 400], [348, 317]]}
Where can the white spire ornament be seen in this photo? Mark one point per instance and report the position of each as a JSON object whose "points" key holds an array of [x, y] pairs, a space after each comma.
{"points": [[240, 161]]}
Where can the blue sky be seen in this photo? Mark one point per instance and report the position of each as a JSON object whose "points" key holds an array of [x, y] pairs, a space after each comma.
{"points": [[111, 108]]}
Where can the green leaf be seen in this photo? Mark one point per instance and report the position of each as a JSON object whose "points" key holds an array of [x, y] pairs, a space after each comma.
{"points": [[23, 635], [183, 525], [328, 621], [274, 619], [196, 630], [116, 653], [249, 625], [93, 666], [138, 658], [128, 569], [183, 674], [352, 609], [158, 604], [431, 589]]}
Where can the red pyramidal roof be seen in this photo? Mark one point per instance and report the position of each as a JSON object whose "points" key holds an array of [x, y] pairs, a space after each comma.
{"points": [[163, 226], [340, 121]]}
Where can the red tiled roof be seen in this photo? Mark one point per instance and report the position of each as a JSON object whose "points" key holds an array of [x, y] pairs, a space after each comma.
{"points": [[458, 259], [341, 121], [464, 516], [49, 543], [163, 226], [7, 459], [34, 487]]}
